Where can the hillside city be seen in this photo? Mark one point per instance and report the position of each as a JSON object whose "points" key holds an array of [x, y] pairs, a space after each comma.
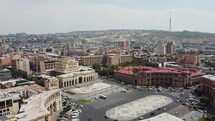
{"points": [[108, 75]]}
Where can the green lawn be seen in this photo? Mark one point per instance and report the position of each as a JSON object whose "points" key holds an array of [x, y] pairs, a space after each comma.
{"points": [[202, 119], [84, 101], [189, 109], [76, 108], [70, 92]]}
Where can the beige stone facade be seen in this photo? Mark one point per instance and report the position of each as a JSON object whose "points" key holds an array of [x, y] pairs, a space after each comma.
{"points": [[160, 49], [47, 65], [71, 79], [8, 105], [51, 83], [115, 59], [41, 107], [191, 59], [90, 60], [67, 65], [21, 63]]}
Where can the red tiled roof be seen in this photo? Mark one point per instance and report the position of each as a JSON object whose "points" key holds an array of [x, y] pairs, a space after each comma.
{"points": [[146, 69]]}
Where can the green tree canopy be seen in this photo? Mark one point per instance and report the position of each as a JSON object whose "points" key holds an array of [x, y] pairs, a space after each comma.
{"points": [[19, 73]]}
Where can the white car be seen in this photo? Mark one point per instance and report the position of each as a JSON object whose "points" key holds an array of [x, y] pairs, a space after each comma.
{"points": [[75, 111], [81, 106], [141, 118], [74, 117]]}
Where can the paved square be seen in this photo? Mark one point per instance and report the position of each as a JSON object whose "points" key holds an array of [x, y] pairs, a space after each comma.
{"points": [[91, 88], [138, 107], [163, 117]]}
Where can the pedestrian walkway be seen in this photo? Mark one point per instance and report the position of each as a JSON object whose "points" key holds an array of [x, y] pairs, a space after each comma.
{"points": [[92, 90], [192, 116], [138, 107]]}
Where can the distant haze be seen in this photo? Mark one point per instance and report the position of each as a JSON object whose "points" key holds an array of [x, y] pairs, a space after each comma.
{"points": [[52, 16]]}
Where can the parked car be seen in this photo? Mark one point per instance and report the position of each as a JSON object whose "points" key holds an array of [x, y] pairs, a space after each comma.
{"points": [[81, 106], [141, 118]]}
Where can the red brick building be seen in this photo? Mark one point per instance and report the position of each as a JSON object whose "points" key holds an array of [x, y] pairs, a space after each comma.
{"points": [[143, 75], [4, 61]]}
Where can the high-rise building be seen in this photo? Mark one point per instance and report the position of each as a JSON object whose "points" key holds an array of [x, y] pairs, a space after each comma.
{"points": [[170, 48], [124, 44], [191, 59], [21, 64], [1, 48], [160, 49]]}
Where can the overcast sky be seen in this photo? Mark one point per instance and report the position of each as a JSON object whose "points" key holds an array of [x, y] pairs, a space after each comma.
{"points": [[51, 16]]}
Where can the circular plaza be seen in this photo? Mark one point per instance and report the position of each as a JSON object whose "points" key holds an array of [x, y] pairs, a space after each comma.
{"points": [[137, 108]]}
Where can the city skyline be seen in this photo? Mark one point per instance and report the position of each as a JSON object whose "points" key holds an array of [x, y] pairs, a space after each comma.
{"points": [[52, 16]]}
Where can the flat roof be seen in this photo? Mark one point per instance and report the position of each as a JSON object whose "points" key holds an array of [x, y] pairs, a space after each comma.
{"points": [[66, 75], [35, 106], [7, 118], [209, 76], [75, 73], [15, 96], [32, 87], [163, 117]]}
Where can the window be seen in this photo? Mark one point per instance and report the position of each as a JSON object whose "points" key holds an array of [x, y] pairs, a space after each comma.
{"points": [[9, 103], [2, 104]]}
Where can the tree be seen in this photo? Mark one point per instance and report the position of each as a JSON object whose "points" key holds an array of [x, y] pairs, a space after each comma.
{"points": [[97, 67], [37, 80], [198, 91], [64, 103], [204, 99], [19, 73], [68, 107]]}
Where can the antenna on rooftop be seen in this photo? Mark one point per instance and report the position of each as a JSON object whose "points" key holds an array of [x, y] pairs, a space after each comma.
{"points": [[170, 22]]}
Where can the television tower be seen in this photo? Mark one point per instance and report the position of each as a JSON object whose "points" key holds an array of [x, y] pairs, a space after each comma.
{"points": [[170, 22]]}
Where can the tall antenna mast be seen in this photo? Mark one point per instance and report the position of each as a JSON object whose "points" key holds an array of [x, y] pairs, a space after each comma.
{"points": [[170, 22]]}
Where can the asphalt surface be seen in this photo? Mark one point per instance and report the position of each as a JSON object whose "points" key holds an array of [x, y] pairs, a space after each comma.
{"points": [[96, 110]]}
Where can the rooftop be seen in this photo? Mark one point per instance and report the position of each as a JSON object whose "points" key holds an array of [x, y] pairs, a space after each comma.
{"points": [[15, 96], [32, 87], [146, 69], [210, 77], [66, 75], [7, 118], [5, 70], [35, 106]]}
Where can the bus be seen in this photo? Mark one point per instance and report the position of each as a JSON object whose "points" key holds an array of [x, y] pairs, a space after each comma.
{"points": [[101, 96]]}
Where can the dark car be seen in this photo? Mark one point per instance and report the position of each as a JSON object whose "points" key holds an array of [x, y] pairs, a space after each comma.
{"points": [[152, 113]]}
